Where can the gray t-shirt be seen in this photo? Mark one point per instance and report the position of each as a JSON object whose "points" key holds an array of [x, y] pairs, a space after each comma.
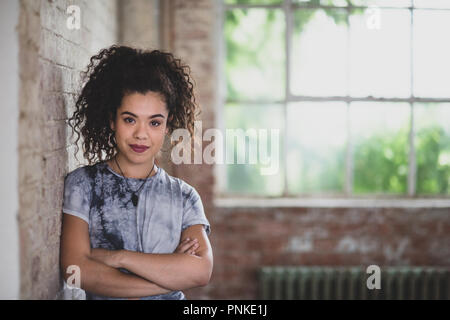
{"points": [[101, 197]]}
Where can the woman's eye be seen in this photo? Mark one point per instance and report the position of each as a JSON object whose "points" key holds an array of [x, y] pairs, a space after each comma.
{"points": [[152, 123]]}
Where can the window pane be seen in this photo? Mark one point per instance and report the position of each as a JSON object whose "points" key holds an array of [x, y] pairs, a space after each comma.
{"points": [[382, 3], [380, 53], [247, 177], [432, 124], [316, 147], [380, 134], [256, 2], [431, 53], [255, 54], [319, 52], [437, 4]]}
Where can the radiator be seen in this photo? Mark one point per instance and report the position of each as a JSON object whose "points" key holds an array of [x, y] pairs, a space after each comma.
{"points": [[350, 283]]}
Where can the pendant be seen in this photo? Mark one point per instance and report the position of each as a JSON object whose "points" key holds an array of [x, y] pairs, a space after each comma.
{"points": [[134, 199]]}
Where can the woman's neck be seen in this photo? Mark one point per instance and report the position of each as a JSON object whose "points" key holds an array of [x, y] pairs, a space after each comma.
{"points": [[128, 170]]}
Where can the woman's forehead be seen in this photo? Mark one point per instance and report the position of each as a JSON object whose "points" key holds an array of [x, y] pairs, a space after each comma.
{"points": [[144, 104]]}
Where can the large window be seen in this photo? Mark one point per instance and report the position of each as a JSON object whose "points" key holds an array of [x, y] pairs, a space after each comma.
{"points": [[359, 91]]}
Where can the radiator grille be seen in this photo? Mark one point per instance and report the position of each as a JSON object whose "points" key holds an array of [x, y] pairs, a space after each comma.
{"points": [[349, 283]]}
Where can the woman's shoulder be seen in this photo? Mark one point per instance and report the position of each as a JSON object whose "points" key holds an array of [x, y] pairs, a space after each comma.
{"points": [[164, 175], [184, 187], [84, 173]]}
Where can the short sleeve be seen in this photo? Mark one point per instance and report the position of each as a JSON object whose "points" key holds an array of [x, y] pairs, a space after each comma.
{"points": [[77, 194], [193, 212]]}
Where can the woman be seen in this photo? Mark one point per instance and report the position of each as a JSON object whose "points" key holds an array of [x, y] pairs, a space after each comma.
{"points": [[133, 230]]}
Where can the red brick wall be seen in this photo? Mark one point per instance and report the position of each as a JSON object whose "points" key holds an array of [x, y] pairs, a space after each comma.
{"points": [[245, 239], [192, 38], [188, 30]]}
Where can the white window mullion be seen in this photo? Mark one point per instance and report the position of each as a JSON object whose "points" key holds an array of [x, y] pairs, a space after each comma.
{"points": [[349, 157], [412, 167], [288, 37], [221, 169], [349, 152]]}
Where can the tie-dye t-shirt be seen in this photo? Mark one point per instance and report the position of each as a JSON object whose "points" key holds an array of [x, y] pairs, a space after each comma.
{"points": [[166, 206]]}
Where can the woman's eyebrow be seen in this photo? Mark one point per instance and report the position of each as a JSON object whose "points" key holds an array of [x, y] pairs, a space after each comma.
{"points": [[150, 117]]}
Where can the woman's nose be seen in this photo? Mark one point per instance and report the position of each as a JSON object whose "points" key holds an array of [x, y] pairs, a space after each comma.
{"points": [[141, 132]]}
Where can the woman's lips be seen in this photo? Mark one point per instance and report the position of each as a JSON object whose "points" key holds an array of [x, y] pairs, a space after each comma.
{"points": [[137, 148]]}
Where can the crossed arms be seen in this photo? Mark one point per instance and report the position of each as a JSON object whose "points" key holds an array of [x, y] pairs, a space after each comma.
{"points": [[189, 266]]}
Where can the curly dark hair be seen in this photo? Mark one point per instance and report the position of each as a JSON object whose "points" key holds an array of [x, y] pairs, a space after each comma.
{"points": [[120, 70]]}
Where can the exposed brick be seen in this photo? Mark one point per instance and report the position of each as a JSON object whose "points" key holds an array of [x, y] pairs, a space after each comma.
{"points": [[51, 57], [29, 19], [53, 105], [141, 27], [54, 19], [54, 134], [55, 167], [30, 170], [344, 237]]}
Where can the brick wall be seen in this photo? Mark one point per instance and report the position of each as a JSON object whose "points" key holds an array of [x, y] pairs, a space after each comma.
{"points": [[246, 239], [51, 58], [192, 38], [188, 30], [139, 23]]}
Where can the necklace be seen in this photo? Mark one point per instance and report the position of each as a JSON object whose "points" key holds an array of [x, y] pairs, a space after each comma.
{"points": [[134, 196]]}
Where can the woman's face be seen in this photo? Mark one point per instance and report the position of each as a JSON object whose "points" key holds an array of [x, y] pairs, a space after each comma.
{"points": [[141, 120]]}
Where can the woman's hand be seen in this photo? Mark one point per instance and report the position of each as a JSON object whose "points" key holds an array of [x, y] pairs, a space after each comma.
{"points": [[108, 257], [188, 246]]}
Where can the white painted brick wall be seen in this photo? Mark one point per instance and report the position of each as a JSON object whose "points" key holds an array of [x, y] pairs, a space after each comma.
{"points": [[51, 58]]}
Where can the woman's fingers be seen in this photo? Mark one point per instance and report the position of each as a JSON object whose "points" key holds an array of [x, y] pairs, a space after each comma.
{"points": [[194, 247], [187, 245]]}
